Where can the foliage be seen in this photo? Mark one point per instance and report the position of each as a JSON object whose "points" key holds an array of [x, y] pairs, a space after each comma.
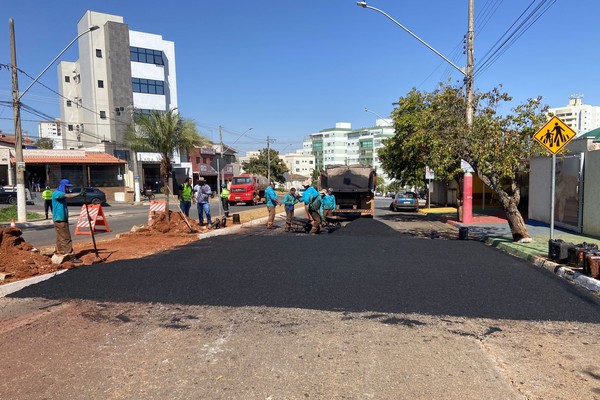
{"points": [[260, 165], [314, 178], [431, 130], [164, 133], [45, 143], [380, 183]]}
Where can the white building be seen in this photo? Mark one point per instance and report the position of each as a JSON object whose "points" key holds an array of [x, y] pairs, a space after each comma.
{"points": [[344, 145], [51, 130], [246, 158], [299, 163], [119, 72], [581, 117]]}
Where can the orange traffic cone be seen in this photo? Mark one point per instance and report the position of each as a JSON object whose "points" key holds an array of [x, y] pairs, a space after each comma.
{"points": [[12, 223]]}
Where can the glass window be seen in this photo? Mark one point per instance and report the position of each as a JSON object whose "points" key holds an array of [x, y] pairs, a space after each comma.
{"points": [[103, 114], [147, 56], [67, 79], [99, 53], [70, 127], [100, 84], [148, 86], [69, 103]]}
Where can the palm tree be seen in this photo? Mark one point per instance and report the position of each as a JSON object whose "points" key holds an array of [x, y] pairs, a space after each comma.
{"points": [[164, 133]]}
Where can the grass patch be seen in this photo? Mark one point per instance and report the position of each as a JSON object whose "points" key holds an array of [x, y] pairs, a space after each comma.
{"points": [[8, 213]]}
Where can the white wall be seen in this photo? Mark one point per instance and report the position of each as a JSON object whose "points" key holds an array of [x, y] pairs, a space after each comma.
{"points": [[591, 193]]}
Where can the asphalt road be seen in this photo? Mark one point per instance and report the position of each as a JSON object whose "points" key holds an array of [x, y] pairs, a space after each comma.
{"points": [[366, 266], [120, 218], [365, 312]]}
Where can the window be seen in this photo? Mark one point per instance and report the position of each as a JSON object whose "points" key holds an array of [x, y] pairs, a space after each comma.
{"points": [[99, 53], [67, 79], [100, 84], [70, 127], [147, 56], [148, 86], [69, 103], [197, 160], [103, 114]]}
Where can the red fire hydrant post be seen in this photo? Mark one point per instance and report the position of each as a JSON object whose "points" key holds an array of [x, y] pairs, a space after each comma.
{"points": [[467, 216]]}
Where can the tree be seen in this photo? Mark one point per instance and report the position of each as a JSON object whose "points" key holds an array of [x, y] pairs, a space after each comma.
{"points": [[431, 129], [314, 178], [379, 183], [164, 133], [259, 165], [45, 143]]}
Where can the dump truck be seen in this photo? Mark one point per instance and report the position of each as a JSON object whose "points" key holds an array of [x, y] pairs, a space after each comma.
{"points": [[353, 187]]}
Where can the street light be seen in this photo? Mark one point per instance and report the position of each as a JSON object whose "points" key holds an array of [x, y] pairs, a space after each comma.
{"points": [[20, 172], [377, 115], [469, 81]]}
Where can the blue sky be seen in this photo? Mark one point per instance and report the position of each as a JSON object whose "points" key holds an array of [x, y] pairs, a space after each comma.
{"points": [[291, 68]]}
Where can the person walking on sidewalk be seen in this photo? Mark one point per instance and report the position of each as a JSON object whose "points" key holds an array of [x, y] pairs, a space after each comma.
{"points": [[225, 199], [289, 201], [47, 196], [60, 217], [203, 192], [272, 202], [185, 196]]}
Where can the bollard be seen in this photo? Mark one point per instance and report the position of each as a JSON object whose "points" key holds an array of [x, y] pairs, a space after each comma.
{"points": [[236, 219], [463, 233]]}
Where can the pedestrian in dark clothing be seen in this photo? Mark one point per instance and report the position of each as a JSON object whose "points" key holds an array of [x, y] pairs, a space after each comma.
{"points": [[47, 196]]}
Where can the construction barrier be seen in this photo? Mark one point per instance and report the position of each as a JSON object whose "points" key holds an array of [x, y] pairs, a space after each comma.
{"points": [[156, 207], [97, 218]]}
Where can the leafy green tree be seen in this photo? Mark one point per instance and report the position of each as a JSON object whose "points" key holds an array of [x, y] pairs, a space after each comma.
{"points": [[431, 130], [45, 143], [164, 133], [260, 165], [380, 183], [314, 178]]}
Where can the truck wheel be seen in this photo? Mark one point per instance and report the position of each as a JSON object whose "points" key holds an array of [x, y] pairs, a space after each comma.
{"points": [[232, 203], [250, 203], [12, 201]]}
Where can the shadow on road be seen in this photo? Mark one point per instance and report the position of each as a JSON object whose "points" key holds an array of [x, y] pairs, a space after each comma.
{"points": [[366, 266]]}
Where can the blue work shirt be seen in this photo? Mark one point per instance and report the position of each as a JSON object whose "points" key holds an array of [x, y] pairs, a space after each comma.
{"points": [[309, 194], [328, 202], [271, 197], [60, 212]]}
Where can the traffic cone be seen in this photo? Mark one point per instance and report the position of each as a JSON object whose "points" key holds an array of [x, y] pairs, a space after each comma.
{"points": [[12, 223]]}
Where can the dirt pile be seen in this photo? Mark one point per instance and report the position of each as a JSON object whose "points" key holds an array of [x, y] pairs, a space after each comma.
{"points": [[19, 259]]}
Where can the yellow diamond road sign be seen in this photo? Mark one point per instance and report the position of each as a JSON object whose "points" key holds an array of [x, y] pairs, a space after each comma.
{"points": [[554, 135]]}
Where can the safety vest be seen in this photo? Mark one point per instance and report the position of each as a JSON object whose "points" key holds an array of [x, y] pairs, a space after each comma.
{"points": [[186, 193], [224, 193], [47, 194]]}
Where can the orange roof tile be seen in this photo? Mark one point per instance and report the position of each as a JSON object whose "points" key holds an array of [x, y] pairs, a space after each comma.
{"points": [[68, 157]]}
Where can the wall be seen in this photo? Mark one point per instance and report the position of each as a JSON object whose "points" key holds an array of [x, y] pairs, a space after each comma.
{"points": [[591, 208]]}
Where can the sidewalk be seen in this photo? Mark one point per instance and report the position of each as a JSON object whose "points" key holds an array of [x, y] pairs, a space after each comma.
{"points": [[490, 225]]}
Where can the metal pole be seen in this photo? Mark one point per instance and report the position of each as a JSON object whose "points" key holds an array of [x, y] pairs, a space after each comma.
{"points": [[552, 196], [219, 187], [20, 165], [268, 160], [470, 65]]}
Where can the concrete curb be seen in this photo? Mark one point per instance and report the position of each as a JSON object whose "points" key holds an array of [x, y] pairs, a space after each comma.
{"points": [[10, 288], [560, 270]]}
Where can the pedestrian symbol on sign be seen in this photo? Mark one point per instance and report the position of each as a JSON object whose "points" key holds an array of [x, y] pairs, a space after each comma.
{"points": [[554, 135]]}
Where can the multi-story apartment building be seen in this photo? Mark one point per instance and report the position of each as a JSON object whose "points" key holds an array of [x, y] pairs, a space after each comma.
{"points": [[299, 163], [344, 145], [51, 130], [119, 72], [581, 117]]}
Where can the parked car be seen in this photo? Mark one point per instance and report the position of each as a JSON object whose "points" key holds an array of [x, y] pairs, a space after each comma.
{"points": [[405, 201], [8, 196], [92, 196]]}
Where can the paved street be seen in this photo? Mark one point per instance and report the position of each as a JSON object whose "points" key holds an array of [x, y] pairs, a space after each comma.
{"points": [[363, 312], [120, 216]]}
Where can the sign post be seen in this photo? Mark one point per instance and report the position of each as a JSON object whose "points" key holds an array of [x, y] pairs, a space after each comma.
{"points": [[554, 135], [429, 175]]}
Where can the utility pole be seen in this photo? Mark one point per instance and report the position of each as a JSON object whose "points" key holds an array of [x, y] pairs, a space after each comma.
{"points": [[469, 82], [268, 160], [20, 170]]}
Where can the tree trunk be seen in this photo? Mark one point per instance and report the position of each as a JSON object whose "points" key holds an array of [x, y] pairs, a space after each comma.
{"points": [[513, 215], [165, 180]]}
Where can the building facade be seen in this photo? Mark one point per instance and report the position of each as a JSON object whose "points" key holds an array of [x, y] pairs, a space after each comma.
{"points": [[581, 117], [343, 145], [119, 72], [51, 130], [299, 163]]}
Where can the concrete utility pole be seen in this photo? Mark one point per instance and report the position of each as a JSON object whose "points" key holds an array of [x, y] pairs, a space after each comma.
{"points": [[469, 81], [20, 170], [268, 160]]}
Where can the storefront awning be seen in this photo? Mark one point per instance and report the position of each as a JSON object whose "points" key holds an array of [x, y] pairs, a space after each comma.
{"points": [[38, 156]]}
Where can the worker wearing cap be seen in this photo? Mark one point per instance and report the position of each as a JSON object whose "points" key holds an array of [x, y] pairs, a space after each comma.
{"points": [[202, 191], [289, 202], [60, 217], [47, 196], [225, 199], [328, 205], [314, 208], [309, 194], [272, 202]]}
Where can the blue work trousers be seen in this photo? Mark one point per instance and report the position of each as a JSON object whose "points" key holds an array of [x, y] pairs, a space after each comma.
{"points": [[204, 208], [185, 207]]}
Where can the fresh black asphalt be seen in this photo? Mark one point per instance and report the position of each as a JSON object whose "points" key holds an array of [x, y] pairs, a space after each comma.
{"points": [[365, 266]]}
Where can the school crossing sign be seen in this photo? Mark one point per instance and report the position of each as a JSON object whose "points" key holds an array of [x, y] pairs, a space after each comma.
{"points": [[554, 135]]}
